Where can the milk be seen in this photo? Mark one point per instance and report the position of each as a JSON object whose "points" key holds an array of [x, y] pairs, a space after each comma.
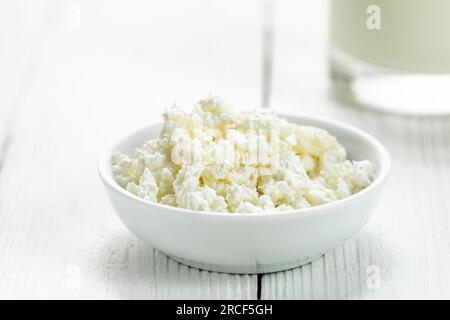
{"points": [[412, 35]]}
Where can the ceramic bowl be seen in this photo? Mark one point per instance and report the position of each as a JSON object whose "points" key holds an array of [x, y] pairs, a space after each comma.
{"points": [[250, 243]]}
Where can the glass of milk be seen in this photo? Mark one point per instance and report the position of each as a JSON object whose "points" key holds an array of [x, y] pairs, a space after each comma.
{"points": [[392, 55]]}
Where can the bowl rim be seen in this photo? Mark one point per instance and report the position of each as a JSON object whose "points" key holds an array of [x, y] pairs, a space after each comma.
{"points": [[105, 172]]}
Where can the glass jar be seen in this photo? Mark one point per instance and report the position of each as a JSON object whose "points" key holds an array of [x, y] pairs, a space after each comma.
{"points": [[392, 54]]}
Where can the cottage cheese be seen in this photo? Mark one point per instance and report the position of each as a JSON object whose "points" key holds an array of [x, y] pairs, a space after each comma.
{"points": [[215, 159]]}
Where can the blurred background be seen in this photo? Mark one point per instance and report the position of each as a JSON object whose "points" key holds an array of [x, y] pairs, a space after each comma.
{"points": [[76, 73], [149, 54]]}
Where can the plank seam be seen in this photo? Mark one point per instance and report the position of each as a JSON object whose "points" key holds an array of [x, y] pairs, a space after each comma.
{"points": [[258, 286], [268, 37]]}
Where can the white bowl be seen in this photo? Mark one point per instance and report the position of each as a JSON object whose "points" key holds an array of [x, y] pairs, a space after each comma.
{"points": [[250, 243]]}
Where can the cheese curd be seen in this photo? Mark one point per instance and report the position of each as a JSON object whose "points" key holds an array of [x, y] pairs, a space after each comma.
{"points": [[216, 159]]}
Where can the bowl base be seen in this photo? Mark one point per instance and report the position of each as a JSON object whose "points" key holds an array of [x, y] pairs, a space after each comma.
{"points": [[246, 269]]}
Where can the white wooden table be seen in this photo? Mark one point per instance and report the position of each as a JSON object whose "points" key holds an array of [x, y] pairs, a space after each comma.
{"points": [[78, 72]]}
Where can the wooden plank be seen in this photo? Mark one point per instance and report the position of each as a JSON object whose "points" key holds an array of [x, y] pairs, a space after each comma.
{"points": [[116, 67], [407, 241], [21, 21]]}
